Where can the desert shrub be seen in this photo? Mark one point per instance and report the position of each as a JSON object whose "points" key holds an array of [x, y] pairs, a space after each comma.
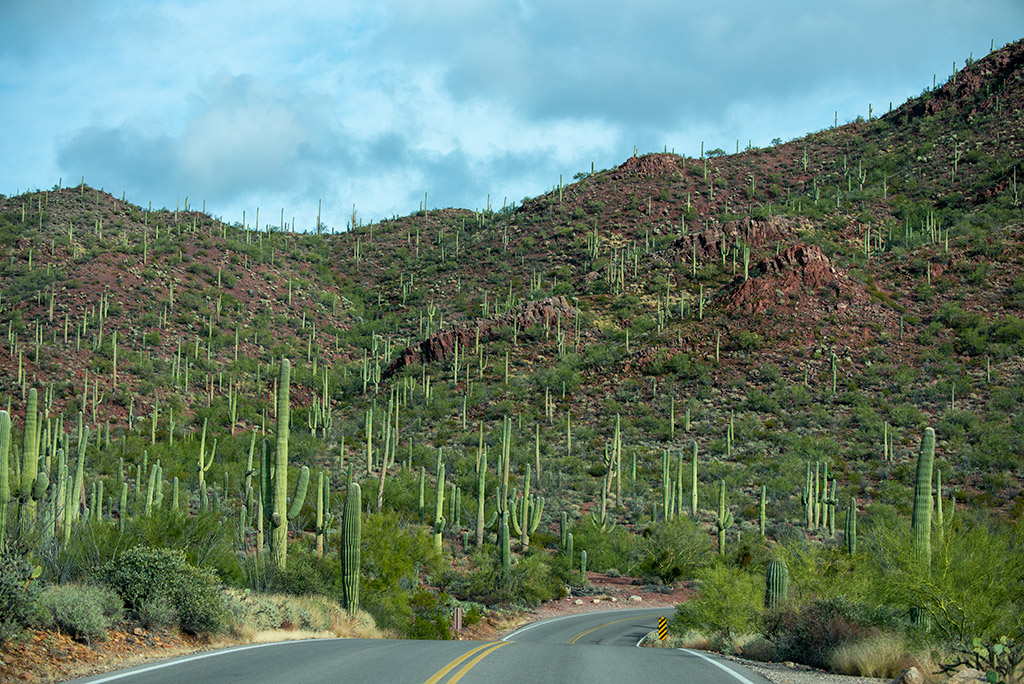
{"points": [[84, 612], [727, 604], [142, 576], [430, 617], [201, 537], [671, 550], [530, 582], [19, 595], [608, 548], [880, 655], [810, 633], [959, 595], [306, 574], [394, 556]]}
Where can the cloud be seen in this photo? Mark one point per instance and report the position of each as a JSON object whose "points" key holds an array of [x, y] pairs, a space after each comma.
{"points": [[376, 103]]}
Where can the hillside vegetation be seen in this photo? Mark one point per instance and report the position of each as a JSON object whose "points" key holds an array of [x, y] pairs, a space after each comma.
{"points": [[683, 367]]}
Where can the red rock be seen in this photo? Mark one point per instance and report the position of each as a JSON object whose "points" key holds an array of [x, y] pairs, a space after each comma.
{"points": [[441, 345], [794, 271]]}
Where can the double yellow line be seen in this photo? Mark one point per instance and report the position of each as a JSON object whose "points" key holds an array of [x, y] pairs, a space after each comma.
{"points": [[487, 649], [594, 629]]}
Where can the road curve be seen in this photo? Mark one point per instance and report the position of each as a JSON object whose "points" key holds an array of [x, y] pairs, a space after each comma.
{"points": [[585, 648]]}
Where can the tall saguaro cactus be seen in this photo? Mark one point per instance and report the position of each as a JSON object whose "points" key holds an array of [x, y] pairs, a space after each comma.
{"points": [[351, 532], [921, 517], [33, 482], [526, 512], [776, 584], [5, 486], [275, 480], [439, 521], [725, 518]]}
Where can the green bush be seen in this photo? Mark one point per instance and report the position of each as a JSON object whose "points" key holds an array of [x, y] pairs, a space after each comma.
{"points": [[393, 557], [19, 595], [611, 548], [671, 550], [530, 582], [84, 612], [144, 578], [728, 602]]}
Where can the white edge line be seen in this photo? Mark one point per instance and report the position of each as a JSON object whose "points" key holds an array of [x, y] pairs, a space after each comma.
{"points": [[717, 664], [188, 659], [566, 617]]}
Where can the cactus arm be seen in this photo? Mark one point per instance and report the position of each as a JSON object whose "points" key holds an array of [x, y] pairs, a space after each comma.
{"points": [[535, 512], [300, 494]]}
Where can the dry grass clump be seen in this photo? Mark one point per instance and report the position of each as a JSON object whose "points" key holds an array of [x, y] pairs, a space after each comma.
{"points": [[882, 655], [277, 617]]}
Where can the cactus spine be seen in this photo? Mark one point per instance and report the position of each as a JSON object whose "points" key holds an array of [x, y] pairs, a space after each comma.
{"points": [[776, 584], [350, 543], [725, 518], [275, 480]]}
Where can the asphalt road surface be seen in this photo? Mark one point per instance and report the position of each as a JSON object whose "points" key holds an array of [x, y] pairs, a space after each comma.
{"points": [[585, 648]]}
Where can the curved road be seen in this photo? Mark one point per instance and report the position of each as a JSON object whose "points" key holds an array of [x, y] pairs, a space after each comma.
{"points": [[585, 648]]}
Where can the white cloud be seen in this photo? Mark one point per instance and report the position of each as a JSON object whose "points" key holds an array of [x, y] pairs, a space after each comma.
{"points": [[375, 103]]}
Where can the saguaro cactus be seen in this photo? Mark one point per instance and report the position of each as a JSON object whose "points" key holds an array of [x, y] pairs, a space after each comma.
{"points": [[921, 517], [506, 550], [324, 518], [725, 517], [776, 584], [203, 463], [526, 512], [5, 486], [439, 521], [481, 479], [275, 480], [851, 527], [33, 482], [351, 532]]}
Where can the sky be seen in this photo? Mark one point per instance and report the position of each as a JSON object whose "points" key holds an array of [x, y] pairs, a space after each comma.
{"points": [[376, 103]]}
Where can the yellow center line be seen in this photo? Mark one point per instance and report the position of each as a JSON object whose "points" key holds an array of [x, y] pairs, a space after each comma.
{"points": [[469, 666], [455, 663], [594, 629]]}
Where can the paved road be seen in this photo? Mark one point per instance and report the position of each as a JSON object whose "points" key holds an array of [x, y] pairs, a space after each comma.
{"points": [[587, 648]]}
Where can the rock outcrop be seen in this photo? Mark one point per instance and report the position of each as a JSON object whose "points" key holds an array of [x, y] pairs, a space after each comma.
{"points": [[796, 271], [441, 345]]}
